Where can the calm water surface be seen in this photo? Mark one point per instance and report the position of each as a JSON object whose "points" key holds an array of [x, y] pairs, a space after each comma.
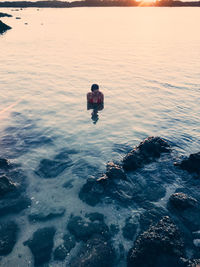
{"points": [[147, 63]]}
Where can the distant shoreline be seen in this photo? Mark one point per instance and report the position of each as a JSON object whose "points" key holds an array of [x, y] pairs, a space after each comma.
{"points": [[98, 3]]}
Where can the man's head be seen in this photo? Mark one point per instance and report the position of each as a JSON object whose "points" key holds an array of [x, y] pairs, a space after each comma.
{"points": [[94, 87]]}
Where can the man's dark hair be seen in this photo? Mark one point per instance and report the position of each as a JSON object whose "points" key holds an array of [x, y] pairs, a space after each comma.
{"points": [[94, 87]]}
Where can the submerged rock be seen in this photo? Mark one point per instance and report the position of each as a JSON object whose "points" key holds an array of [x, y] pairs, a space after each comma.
{"points": [[146, 152], [130, 228], [4, 15], [182, 201], [46, 214], [83, 229], [191, 164], [114, 171], [14, 204], [8, 237], [41, 245], [3, 28], [63, 250], [6, 186], [4, 163], [52, 168], [160, 245], [97, 251], [91, 192], [187, 209]]}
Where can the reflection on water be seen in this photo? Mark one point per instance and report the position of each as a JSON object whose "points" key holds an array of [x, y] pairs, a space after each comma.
{"points": [[95, 108]]}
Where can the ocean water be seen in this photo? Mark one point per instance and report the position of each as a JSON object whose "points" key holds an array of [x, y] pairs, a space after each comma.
{"points": [[147, 63]]}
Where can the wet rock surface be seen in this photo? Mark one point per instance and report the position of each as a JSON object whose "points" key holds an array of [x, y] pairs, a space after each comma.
{"points": [[46, 214], [182, 201], [191, 164], [6, 185], [52, 168], [8, 236], [130, 228], [146, 152], [116, 184], [64, 249], [13, 198], [97, 251], [4, 163], [4, 27], [83, 228], [41, 245], [160, 245], [187, 209]]}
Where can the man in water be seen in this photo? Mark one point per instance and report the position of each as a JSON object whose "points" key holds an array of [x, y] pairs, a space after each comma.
{"points": [[95, 101], [95, 97]]}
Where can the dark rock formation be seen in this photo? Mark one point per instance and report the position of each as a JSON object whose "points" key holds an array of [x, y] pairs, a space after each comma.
{"points": [[8, 237], [97, 251], [52, 168], [41, 245], [151, 216], [46, 215], [160, 245], [146, 152], [187, 209], [4, 163], [182, 201], [91, 192], [114, 171], [3, 28], [63, 250], [83, 229], [191, 164], [4, 15], [130, 228], [6, 186], [14, 204]]}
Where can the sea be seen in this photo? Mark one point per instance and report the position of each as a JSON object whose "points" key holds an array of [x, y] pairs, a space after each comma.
{"points": [[146, 61]]}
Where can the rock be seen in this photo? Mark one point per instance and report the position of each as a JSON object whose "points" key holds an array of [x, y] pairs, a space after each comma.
{"points": [[130, 228], [151, 216], [41, 245], [160, 245], [14, 205], [191, 164], [63, 250], [189, 262], [8, 237], [187, 209], [95, 216], [51, 168], [97, 252], [4, 164], [18, 18], [4, 15], [68, 184], [6, 186], [91, 192], [46, 214], [114, 171], [3, 28], [147, 151], [182, 201], [83, 229]]}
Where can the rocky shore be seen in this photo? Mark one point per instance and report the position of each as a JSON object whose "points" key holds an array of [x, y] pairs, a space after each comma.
{"points": [[167, 235]]}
